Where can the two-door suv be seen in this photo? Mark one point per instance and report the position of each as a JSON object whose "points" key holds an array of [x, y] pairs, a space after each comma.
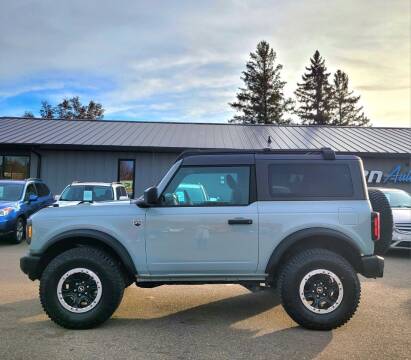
{"points": [[300, 221]]}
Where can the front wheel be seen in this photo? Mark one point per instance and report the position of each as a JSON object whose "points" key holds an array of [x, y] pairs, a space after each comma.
{"points": [[319, 289], [81, 288], [19, 233]]}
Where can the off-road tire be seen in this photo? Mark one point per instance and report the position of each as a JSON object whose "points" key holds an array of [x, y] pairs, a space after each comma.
{"points": [[17, 236], [379, 203], [297, 268], [103, 266]]}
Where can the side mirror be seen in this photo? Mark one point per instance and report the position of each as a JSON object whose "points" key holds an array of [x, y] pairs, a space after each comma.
{"points": [[32, 198], [57, 197], [151, 195]]}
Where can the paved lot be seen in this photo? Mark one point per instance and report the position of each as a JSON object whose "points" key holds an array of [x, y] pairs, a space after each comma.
{"points": [[206, 322]]}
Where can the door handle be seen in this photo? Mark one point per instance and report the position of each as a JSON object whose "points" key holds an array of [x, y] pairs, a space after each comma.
{"points": [[240, 221]]}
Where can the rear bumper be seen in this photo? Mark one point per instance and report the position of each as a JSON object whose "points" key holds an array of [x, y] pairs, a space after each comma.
{"points": [[372, 266], [31, 266]]}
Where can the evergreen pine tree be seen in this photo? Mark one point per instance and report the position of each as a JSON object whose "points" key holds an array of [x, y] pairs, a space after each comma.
{"points": [[314, 94], [64, 110], [28, 114], [94, 111], [345, 104], [46, 110], [262, 100]]}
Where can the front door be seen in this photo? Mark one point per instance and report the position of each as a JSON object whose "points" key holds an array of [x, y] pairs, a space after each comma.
{"points": [[207, 223]]}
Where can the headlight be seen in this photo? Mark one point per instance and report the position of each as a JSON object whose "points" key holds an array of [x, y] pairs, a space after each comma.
{"points": [[5, 211]]}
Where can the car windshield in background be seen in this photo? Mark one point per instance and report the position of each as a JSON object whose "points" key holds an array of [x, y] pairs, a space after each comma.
{"points": [[398, 198], [87, 193], [10, 191]]}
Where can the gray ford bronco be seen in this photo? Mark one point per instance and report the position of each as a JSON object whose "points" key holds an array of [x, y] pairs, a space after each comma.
{"points": [[299, 221]]}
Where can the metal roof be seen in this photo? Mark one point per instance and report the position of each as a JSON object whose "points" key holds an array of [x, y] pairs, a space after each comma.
{"points": [[167, 136]]}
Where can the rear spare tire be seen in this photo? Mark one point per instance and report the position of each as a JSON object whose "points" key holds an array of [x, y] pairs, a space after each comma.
{"points": [[379, 203]]}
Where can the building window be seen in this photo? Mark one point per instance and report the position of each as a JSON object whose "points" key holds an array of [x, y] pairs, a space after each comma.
{"points": [[126, 175], [14, 167]]}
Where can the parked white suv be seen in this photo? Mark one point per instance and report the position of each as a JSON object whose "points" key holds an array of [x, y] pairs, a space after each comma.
{"points": [[79, 192], [400, 202]]}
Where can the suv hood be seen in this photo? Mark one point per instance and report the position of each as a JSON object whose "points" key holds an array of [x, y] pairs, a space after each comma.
{"points": [[401, 215], [66, 203], [4, 204], [86, 210]]}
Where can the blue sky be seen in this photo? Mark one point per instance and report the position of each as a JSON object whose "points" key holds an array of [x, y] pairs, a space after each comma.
{"points": [[182, 60]]}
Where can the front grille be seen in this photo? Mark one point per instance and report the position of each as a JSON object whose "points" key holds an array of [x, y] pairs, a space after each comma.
{"points": [[403, 228]]}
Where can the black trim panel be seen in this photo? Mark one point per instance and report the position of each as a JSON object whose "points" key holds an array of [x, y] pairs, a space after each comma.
{"points": [[372, 266], [292, 239], [30, 265], [107, 239]]}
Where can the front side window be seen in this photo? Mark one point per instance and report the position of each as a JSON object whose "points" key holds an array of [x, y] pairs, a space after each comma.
{"points": [[30, 190], [208, 186], [11, 191], [87, 192], [42, 189], [309, 180]]}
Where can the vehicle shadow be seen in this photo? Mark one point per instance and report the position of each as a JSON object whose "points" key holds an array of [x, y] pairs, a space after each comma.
{"points": [[398, 253], [245, 326]]}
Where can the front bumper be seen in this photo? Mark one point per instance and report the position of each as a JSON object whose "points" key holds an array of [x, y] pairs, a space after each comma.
{"points": [[372, 266], [400, 240], [7, 226], [31, 266]]}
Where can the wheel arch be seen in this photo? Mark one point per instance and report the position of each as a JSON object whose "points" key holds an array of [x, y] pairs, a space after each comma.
{"points": [[330, 239], [88, 237]]}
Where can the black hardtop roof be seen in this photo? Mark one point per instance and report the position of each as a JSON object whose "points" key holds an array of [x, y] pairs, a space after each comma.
{"points": [[326, 153]]}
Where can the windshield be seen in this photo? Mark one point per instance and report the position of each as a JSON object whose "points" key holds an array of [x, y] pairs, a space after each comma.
{"points": [[87, 193], [11, 191], [398, 198]]}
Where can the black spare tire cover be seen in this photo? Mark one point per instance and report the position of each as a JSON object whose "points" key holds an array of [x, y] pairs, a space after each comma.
{"points": [[379, 203]]}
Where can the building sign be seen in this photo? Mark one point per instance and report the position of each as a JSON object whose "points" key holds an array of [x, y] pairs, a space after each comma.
{"points": [[396, 176]]}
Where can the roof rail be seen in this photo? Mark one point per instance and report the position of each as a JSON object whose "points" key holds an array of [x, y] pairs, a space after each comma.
{"points": [[33, 179], [327, 153]]}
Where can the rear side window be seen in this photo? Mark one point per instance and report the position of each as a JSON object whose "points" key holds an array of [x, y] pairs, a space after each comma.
{"points": [[118, 192], [42, 189], [309, 180], [121, 191]]}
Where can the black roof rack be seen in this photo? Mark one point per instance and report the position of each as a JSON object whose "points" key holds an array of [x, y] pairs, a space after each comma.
{"points": [[327, 153]]}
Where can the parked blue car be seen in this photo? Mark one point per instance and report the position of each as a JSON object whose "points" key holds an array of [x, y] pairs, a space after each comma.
{"points": [[18, 200]]}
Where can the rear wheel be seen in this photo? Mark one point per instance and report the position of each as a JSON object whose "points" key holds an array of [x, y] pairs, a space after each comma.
{"points": [[380, 203], [81, 288], [319, 289]]}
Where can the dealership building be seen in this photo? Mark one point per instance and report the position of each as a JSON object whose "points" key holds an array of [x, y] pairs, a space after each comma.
{"points": [[139, 153]]}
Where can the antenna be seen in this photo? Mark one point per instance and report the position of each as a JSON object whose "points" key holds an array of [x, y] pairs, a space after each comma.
{"points": [[269, 141]]}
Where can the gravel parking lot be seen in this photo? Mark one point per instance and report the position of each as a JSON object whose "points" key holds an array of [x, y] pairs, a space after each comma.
{"points": [[206, 322]]}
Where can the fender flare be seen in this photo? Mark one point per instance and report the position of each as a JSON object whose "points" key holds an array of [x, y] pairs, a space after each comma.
{"points": [[297, 236], [108, 240]]}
